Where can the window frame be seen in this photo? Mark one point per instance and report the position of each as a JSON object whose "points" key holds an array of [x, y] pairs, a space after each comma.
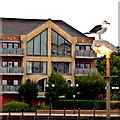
{"points": [[65, 52], [64, 67], [33, 50], [32, 70]]}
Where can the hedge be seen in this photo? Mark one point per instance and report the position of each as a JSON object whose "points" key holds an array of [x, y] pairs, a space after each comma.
{"points": [[15, 106], [82, 104]]}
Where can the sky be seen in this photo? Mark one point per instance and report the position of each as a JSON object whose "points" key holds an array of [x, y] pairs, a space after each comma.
{"points": [[83, 15]]}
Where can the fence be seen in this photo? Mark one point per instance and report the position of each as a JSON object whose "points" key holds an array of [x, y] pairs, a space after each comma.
{"points": [[60, 115]]}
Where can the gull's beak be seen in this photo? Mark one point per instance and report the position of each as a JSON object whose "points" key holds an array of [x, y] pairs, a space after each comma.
{"points": [[108, 23]]}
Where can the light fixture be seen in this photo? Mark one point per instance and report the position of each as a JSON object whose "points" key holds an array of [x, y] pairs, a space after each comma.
{"points": [[105, 48]]}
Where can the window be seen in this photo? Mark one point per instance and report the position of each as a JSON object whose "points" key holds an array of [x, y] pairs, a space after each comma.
{"points": [[15, 45], [30, 47], [83, 47], [4, 82], [10, 63], [38, 45], [9, 45], [83, 65], [4, 64], [60, 46], [87, 47], [10, 82], [42, 84], [15, 82], [62, 67], [4, 45], [37, 67]]}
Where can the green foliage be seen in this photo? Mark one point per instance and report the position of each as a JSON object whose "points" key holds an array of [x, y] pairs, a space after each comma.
{"points": [[90, 85], [43, 107], [114, 65], [28, 90], [82, 104], [15, 106], [60, 86]]}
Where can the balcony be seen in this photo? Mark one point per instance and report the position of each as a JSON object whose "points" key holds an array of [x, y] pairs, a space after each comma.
{"points": [[11, 71], [11, 51], [85, 54], [81, 71], [9, 89]]}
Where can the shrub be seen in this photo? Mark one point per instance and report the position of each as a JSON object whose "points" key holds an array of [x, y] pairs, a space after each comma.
{"points": [[15, 106], [43, 107], [82, 104], [32, 108]]}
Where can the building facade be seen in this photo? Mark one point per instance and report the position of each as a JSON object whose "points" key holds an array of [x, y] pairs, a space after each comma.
{"points": [[33, 48]]}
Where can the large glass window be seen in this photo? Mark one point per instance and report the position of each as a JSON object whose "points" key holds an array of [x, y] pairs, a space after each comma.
{"points": [[37, 67], [42, 84], [62, 67], [38, 45], [30, 47], [60, 46]]}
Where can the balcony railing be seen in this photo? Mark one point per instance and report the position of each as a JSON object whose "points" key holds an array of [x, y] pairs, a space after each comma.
{"points": [[10, 88], [85, 53], [11, 51], [11, 70], [81, 71]]}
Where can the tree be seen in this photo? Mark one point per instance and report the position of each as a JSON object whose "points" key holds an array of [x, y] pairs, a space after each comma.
{"points": [[90, 85], [114, 67], [28, 90], [60, 86]]}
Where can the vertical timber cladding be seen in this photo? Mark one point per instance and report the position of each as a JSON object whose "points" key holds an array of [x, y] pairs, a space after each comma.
{"points": [[48, 25]]}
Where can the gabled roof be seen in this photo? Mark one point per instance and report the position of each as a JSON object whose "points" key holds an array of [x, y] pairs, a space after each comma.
{"points": [[16, 26], [69, 29]]}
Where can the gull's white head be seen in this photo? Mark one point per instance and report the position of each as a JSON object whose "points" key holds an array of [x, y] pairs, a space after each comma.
{"points": [[105, 22]]}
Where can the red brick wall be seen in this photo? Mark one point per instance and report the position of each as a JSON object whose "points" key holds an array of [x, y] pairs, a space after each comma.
{"points": [[10, 97], [92, 62], [10, 37], [86, 40]]}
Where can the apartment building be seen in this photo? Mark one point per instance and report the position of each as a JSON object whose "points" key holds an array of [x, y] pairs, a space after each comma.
{"points": [[33, 48]]}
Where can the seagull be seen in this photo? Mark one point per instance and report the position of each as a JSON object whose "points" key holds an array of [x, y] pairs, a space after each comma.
{"points": [[99, 29]]}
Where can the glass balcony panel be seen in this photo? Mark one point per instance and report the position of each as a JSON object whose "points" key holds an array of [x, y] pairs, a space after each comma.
{"points": [[83, 71], [10, 88], [85, 53], [11, 51], [11, 70]]}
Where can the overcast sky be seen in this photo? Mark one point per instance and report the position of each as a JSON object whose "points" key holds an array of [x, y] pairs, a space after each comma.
{"points": [[80, 14]]}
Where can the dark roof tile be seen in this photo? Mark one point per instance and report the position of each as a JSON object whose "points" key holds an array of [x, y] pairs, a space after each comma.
{"points": [[16, 26], [69, 29]]}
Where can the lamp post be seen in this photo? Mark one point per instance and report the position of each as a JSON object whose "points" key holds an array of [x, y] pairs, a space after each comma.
{"points": [[105, 48], [75, 86], [50, 99]]}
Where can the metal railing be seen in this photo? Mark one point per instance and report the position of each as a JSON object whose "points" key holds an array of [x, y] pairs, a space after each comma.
{"points": [[11, 70], [9, 88], [11, 51], [84, 71], [85, 53]]}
